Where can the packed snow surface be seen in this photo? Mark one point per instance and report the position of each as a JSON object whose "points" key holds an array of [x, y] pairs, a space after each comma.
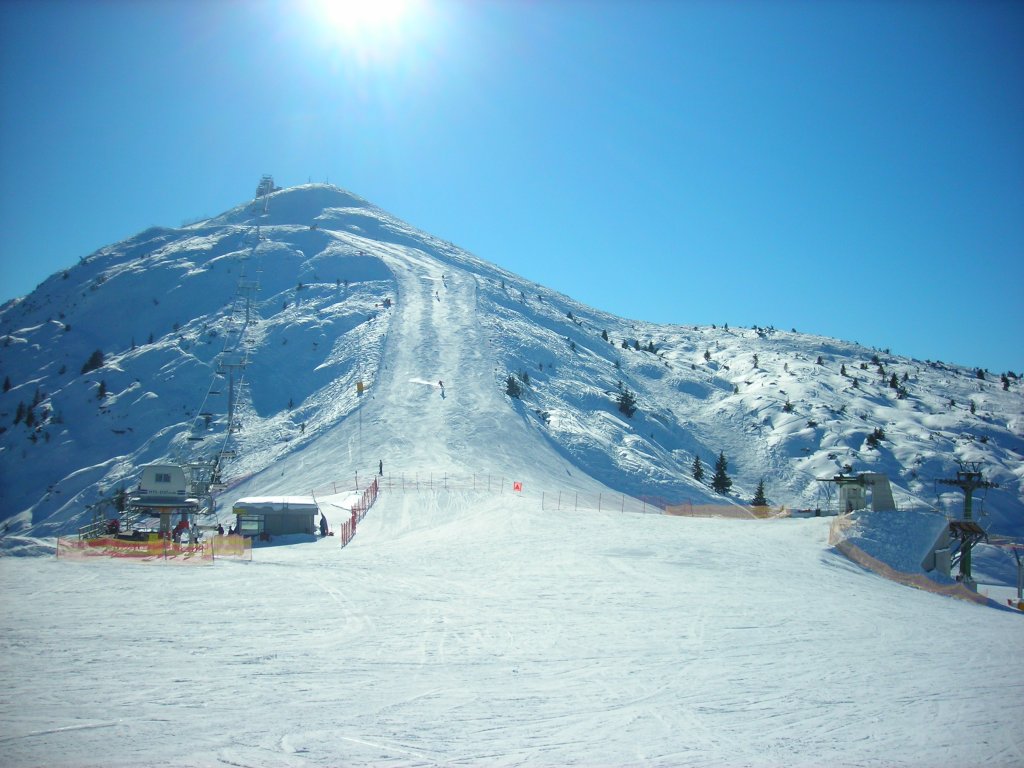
{"points": [[473, 628]]}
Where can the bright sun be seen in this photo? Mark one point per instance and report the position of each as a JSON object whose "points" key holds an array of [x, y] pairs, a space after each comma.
{"points": [[365, 23], [365, 13]]}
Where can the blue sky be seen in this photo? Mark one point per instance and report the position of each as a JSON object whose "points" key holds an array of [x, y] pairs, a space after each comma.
{"points": [[854, 169]]}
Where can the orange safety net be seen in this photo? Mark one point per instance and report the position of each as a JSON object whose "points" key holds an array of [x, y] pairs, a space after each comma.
{"points": [[154, 550], [837, 538], [236, 547], [726, 510]]}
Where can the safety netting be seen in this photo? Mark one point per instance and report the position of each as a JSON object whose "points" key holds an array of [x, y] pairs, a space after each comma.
{"points": [[235, 547], [731, 511], [841, 537], [156, 549], [347, 530]]}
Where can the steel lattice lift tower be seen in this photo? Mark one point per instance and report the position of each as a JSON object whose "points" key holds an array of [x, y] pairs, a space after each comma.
{"points": [[969, 533]]}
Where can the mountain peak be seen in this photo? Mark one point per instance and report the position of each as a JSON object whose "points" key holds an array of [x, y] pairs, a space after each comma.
{"points": [[303, 205], [304, 293]]}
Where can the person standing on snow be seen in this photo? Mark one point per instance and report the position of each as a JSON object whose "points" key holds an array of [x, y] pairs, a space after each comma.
{"points": [[380, 467]]}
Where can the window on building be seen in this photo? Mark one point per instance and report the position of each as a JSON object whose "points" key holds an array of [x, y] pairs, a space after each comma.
{"points": [[250, 525]]}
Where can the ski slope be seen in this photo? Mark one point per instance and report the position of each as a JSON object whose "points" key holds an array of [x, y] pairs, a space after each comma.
{"points": [[467, 628], [474, 627], [405, 419]]}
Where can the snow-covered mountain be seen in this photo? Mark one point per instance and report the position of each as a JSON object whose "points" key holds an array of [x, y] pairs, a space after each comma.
{"points": [[469, 624], [296, 297]]}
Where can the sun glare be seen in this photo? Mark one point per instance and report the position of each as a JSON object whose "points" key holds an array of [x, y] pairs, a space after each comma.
{"points": [[363, 24]]}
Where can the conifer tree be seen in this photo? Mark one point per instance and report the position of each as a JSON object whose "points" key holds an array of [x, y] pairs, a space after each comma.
{"points": [[95, 361], [512, 388], [721, 481], [759, 497], [627, 402], [698, 469]]}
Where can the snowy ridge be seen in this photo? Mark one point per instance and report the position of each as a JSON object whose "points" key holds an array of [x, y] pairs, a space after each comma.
{"points": [[159, 305]]}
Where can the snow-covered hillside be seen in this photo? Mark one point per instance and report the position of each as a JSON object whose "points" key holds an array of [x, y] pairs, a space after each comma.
{"points": [[347, 293], [469, 623]]}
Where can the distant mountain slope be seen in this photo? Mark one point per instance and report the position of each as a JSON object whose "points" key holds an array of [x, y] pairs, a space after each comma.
{"points": [[337, 291]]}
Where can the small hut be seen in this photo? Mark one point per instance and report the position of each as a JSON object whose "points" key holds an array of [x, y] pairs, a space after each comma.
{"points": [[275, 515]]}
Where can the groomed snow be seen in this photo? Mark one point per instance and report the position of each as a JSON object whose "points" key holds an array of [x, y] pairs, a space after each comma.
{"points": [[463, 628]]}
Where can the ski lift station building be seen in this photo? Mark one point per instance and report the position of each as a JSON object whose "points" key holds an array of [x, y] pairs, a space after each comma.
{"points": [[163, 488], [275, 515]]}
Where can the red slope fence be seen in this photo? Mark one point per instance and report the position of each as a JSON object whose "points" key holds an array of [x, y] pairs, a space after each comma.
{"points": [[347, 530]]}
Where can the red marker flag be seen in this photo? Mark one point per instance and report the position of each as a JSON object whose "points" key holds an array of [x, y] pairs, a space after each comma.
{"points": [[517, 486]]}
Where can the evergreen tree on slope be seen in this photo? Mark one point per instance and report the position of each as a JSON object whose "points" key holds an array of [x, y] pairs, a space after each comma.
{"points": [[721, 482], [759, 497]]}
